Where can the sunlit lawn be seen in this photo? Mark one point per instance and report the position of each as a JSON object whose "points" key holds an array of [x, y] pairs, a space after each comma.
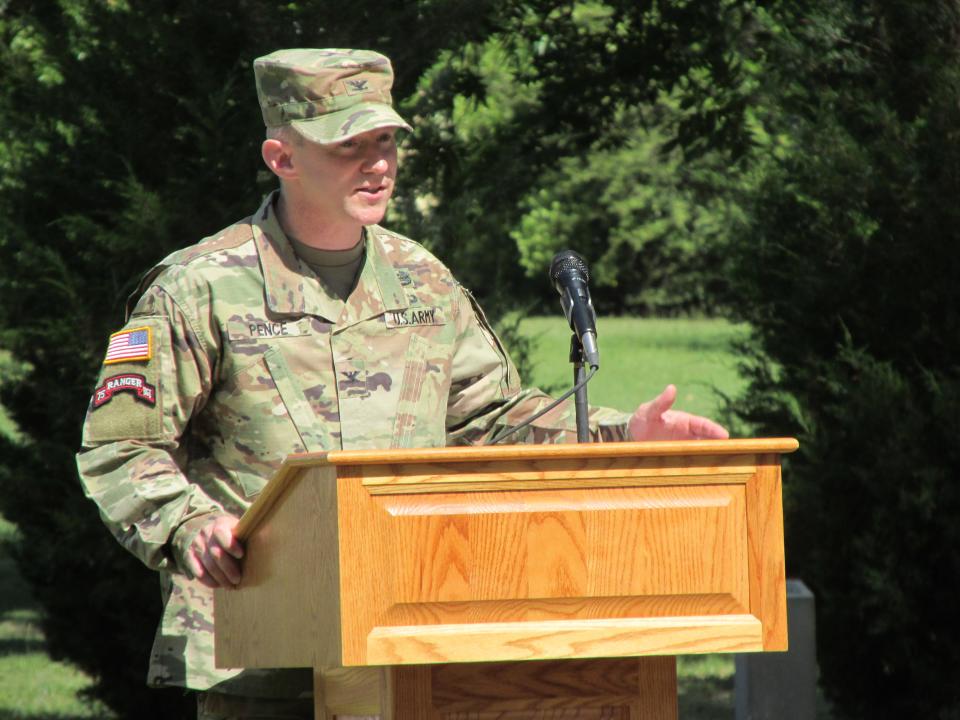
{"points": [[639, 357], [32, 686]]}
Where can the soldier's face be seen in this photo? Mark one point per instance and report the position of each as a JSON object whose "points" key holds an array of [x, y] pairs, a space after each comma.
{"points": [[350, 181]]}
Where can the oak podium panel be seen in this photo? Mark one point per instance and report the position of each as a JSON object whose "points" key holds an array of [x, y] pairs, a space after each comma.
{"points": [[517, 553]]}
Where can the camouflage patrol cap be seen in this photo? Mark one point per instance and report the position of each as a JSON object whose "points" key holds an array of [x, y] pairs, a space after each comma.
{"points": [[327, 95]]}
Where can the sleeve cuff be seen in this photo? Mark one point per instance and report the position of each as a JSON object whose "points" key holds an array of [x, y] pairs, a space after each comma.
{"points": [[183, 538]]}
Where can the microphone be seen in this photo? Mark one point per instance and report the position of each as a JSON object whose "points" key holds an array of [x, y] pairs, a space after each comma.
{"points": [[569, 275]]}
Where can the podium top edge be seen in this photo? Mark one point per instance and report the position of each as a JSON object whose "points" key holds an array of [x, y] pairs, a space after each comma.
{"points": [[547, 452]]}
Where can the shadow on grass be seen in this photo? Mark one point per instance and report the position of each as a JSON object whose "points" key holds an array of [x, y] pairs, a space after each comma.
{"points": [[14, 715], [20, 635], [20, 646], [706, 698], [14, 591]]}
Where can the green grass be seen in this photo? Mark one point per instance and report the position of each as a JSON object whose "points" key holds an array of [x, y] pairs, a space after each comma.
{"points": [[32, 686], [639, 357]]}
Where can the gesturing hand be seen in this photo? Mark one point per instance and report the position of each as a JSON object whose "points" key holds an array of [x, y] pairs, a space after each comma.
{"points": [[654, 420], [212, 556]]}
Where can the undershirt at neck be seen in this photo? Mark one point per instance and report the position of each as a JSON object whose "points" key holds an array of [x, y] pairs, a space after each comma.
{"points": [[338, 269]]}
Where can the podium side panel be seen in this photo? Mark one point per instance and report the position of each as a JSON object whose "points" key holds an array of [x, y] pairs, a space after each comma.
{"points": [[285, 613], [768, 583]]}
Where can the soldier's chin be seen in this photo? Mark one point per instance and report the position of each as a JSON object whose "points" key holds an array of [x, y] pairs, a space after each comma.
{"points": [[372, 215]]}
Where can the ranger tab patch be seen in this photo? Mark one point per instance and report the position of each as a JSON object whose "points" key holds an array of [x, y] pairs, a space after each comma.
{"points": [[415, 316], [130, 346], [127, 382]]}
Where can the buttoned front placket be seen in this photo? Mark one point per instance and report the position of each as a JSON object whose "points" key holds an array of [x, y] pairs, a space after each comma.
{"points": [[341, 386], [301, 368], [368, 359]]}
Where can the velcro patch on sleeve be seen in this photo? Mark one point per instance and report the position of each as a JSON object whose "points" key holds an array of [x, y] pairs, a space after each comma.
{"points": [[125, 382], [132, 345], [127, 401]]}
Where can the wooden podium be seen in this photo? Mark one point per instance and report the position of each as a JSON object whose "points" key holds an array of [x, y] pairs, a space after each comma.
{"points": [[516, 582]]}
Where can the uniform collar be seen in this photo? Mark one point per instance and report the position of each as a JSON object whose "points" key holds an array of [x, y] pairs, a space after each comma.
{"points": [[292, 288]]}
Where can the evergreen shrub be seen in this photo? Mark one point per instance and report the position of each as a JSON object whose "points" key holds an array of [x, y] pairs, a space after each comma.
{"points": [[849, 277], [128, 130]]}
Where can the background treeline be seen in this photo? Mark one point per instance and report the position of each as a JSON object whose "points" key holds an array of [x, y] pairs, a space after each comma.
{"points": [[791, 164]]}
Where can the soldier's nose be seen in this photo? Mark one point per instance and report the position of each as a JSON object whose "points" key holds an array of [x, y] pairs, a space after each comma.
{"points": [[380, 166]]}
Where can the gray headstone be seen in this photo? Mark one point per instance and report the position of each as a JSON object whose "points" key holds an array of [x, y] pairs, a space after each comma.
{"points": [[782, 686]]}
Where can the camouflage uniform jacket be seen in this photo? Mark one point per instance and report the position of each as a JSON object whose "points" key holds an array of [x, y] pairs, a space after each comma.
{"points": [[240, 357]]}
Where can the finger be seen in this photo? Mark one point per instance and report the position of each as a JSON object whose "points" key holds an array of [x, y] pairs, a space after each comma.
{"points": [[194, 566], [223, 533], [703, 428], [664, 401], [207, 580], [213, 568], [230, 568], [196, 571], [224, 563]]}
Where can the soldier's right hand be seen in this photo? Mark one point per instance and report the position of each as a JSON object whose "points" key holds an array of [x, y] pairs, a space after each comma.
{"points": [[213, 556]]}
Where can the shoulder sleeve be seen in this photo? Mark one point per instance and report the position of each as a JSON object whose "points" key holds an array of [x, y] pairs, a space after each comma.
{"points": [[156, 375], [486, 395]]}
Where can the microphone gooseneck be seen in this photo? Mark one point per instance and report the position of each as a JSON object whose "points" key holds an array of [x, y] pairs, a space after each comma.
{"points": [[569, 275]]}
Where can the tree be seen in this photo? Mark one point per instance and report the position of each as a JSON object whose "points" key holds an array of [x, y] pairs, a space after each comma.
{"points": [[617, 128], [128, 130], [847, 274]]}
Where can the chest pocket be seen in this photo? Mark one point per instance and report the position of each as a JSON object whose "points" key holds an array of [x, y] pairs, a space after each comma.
{"points": [[294, 399], [274, 398]]}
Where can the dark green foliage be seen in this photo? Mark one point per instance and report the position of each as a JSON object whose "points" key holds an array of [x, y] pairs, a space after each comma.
{"points": [[799, 162], [98, 193], [849, 277], [608, 127], [128, 130]]}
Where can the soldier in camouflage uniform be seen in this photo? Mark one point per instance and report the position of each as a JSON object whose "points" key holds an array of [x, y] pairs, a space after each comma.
{"points": [[304, 327]]}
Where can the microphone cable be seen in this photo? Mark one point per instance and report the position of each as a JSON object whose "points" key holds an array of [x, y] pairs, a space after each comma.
{"points": [[500, 436]]}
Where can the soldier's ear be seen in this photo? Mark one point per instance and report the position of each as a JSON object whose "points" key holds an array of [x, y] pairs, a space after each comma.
{"points": [[278, 156]]}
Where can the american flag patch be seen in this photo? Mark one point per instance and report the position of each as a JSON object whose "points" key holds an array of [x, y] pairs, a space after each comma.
{"points": [[129, 345]]}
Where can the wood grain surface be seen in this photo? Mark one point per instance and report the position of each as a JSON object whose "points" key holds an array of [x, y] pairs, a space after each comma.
{"points": [[564, 639], [768, 596], [530, 452], [423, 560], [598, 689], [286, 611], [425, 566]]}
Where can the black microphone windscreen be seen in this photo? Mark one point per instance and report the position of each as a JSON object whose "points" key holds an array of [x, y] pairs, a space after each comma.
{"points": [[568, 260]]}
